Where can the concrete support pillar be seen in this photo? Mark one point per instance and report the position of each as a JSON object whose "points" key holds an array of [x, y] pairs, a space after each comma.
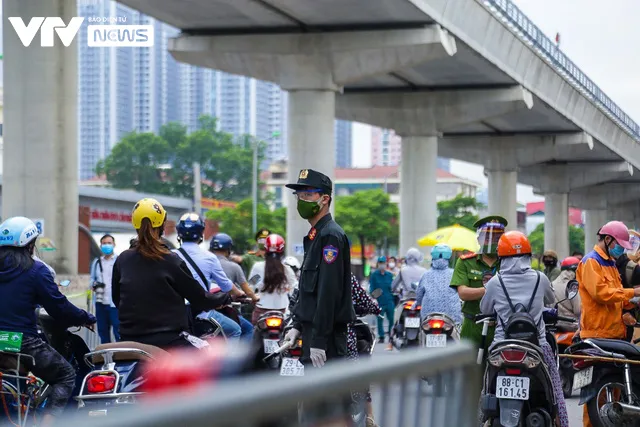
{"points": [[418, 205], [40, 165], [556, 223], [503, 195], [311, 146], [593, 220]]}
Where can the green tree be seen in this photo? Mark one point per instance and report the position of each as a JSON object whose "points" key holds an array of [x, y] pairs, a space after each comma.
{"points": [[236, 222], [163, 163], [366, 216], [135, 162], [576, 239], [459, 210]]}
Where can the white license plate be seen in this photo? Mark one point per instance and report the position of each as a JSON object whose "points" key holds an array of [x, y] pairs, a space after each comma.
{"points": [[434, 340], [98, 413], [411, 322], [291, 367], [516, 388], [270, 346], [582, 378]]}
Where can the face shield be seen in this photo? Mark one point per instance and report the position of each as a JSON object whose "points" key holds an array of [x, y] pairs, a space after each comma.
{"points": [[635, 243], [488, 236]]}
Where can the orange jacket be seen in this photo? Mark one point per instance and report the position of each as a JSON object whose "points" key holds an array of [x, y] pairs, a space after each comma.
{"points": [[602, 296]]}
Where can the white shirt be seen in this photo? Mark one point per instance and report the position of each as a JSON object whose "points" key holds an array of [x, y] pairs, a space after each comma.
{"points": [[107, 274], [278, 300]]}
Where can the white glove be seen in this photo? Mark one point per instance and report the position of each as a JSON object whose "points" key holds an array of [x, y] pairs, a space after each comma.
{"points": [[292, 335], [318, 357]]}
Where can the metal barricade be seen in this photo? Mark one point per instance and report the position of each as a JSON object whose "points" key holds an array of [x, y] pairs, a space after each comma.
{"points": [[434, 387], [90, 337]]}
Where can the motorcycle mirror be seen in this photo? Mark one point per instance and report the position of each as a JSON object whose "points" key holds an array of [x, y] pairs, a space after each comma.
{"points": [[572, 294], [254, 280], [65, 283], [376, 293]]}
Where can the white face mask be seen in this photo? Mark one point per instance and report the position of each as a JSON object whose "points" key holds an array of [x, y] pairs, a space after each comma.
{"points": [[392, 265]]}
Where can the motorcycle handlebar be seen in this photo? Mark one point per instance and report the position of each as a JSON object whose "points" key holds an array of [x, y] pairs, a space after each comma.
{"points": [[567, 319], [480, 317]]}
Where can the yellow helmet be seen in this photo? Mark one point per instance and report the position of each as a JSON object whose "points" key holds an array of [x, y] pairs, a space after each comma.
{"points": [[148, 208]]}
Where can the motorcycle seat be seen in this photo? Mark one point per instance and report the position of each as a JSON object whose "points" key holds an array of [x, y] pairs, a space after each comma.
{"points": [[617, 346], [128, 356]]}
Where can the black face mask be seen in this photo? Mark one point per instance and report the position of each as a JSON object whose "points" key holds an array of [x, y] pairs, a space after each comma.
{"points": [[549, 262]]}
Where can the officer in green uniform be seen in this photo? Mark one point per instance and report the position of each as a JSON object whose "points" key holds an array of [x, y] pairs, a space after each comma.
{"points": [[246, 261], [473, 271]]}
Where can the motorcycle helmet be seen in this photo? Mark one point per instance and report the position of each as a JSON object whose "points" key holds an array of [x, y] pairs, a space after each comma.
{"points": [[190, 228], [569, 263], [441, 251], [148, 208], [618, 231], [513, 243], [18, 231], [274, 244], [221, 242], [292, 262]]}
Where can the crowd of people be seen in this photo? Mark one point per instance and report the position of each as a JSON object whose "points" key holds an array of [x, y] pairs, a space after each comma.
{"points": [[151, 294]]}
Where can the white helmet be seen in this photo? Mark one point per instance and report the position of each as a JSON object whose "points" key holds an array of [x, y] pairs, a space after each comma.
{"points": [[292, 262]]}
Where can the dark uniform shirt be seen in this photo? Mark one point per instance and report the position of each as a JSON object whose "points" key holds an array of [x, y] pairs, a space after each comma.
{"points": [[324, 302]]}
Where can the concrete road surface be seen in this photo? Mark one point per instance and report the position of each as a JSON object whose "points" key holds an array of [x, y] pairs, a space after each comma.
{"points": [[424, 396]]}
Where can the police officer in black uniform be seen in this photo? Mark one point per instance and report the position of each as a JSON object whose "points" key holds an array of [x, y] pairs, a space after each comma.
{"points": [[324, 306]]}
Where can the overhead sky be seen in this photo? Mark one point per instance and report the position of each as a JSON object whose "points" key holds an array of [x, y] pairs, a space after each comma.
{"points": [[599, 37]]}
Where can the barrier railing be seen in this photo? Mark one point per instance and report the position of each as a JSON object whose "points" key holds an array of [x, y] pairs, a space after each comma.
{"points": [[434, 387], [547, 49]]}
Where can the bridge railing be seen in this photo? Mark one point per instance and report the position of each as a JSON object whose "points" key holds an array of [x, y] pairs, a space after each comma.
{"points": [[402, 396], [547, 49]]}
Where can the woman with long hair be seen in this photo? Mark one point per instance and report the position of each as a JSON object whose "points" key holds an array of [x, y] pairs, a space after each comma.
{"points": [[277, 279], [26, 283], [150, 284]]}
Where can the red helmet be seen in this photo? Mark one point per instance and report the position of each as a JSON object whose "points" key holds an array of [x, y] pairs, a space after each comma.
{"points": [[570, 263], [274, 244]]}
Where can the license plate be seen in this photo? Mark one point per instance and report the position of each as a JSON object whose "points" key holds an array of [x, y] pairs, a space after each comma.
{"points": [[434, 340], [516, 388], [411, 322], [291, 368], [270, 346], [582, 378], [98, 413]]}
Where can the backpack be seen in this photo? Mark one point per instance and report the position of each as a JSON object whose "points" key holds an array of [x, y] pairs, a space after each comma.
{"points": [[520, 325]]}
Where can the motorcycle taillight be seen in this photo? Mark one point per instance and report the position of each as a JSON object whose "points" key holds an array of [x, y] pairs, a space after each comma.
{"points": [[580, 364], [513, 355], [101, 382], [436, 324]]}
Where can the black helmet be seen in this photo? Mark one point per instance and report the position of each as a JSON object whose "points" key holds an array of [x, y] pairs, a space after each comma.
{"points": [[221, 241]]}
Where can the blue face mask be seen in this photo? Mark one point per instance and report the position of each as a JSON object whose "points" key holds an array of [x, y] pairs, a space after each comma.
{"points": [[107, 249], [616, 251]]}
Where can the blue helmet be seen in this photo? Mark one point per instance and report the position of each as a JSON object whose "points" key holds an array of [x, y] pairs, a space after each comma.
{"points": [[18, 232], [441, 251], [190, 227], [222, 242]]}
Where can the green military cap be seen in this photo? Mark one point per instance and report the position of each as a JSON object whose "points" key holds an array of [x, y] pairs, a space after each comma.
{"points": [[492, 218]]}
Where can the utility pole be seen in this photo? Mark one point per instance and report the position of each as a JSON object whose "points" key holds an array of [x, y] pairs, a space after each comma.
{"points": [[197, 188], [254, 188]]}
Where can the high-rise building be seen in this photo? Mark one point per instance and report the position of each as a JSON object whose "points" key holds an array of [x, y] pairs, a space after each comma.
{"points": [[343, 143], [140, 89], [386, 149]]}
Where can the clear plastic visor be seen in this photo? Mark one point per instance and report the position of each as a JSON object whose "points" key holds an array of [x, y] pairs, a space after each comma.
{"points": [[488, 237]]}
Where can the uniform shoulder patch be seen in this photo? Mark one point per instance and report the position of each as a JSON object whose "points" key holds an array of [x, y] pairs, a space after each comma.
{"points": [[467, 256], [329, 254]]}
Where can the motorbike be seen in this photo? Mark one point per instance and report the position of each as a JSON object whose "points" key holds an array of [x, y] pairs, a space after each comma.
{"points": [[517, 384], [406, 332], [117, 376], [267, 336], [24, 395], [438, 329]]}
